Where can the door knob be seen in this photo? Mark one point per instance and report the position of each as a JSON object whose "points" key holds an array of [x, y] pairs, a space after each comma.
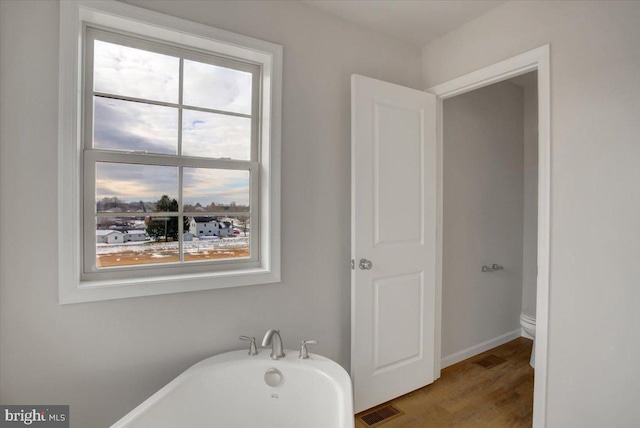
{"points": [[365, 264]]}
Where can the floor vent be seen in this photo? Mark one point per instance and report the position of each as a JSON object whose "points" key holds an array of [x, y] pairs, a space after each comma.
{"points": [[490, 361], [381, 415]]}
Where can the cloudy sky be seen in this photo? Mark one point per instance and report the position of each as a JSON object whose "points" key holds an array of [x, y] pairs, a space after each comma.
{"points": [[127, 125], [133, 183]]}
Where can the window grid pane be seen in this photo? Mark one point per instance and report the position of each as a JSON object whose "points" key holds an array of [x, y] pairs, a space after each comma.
{"points": [[129, 241], [140, 73], [217, 238], [218, 88]]}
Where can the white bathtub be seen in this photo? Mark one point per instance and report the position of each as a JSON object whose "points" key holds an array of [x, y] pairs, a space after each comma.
{"points": [[229, 390]]}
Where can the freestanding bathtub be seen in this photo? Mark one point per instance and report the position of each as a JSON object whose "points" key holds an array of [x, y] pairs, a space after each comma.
{"points": [[230, 390]]}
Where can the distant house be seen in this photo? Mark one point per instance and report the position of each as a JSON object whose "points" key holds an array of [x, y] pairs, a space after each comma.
{"points": [[225, 228], [210, 226], [135, 235], [110, 237]]}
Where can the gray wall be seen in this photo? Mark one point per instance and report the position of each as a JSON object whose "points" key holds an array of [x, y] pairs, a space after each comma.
{"points": [[483, 215], [594, 344], [530, 219], [104, 358]]}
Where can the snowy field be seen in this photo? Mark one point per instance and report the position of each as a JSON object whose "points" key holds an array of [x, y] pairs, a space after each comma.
{"points": [[189, 246], [146, 252]]}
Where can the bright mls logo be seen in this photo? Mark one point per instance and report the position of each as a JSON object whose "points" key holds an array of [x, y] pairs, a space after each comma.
{"points": [[36, 416]]}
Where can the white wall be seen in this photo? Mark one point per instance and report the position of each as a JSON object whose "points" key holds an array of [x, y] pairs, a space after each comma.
{"points": [[483, 180], [530, 210], [594, 344], [104, 358]]}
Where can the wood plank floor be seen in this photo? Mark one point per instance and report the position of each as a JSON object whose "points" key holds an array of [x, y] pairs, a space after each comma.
{"points": [[493, 389]]}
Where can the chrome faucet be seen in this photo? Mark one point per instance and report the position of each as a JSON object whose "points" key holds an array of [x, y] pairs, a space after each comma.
{"points": [[273, 339]]}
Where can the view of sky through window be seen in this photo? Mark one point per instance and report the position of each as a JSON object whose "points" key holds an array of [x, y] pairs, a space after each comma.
{"points": [[134, 183], [215, 135], [218, 88], [127, 125], [223, 187], [121, 70], [139, 126]]}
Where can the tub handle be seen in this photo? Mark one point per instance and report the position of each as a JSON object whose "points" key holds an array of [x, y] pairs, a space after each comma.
{"points": [[304, 354], [253, 349]]}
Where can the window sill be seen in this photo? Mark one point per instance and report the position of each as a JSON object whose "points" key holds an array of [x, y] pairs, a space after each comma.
{"points": [[92, 291]]}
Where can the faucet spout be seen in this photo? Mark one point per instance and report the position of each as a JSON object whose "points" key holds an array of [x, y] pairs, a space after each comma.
{"points": [[272, 338]]}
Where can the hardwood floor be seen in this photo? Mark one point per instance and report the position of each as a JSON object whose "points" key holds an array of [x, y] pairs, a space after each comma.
{"points": [[493, 389]]}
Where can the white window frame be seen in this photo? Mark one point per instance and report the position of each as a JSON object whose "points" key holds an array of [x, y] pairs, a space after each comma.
{"points": [[74, 285]]}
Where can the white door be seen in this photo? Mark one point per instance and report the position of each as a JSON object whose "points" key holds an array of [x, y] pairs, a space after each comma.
{"points": [[393, 227]]}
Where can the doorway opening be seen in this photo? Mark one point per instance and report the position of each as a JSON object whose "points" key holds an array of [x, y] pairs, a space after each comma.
{"points": [[489, 236], [489, 216], [531, 71]]}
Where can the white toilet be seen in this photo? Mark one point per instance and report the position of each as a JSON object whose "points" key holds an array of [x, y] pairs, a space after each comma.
{"points": [[528, 324]]}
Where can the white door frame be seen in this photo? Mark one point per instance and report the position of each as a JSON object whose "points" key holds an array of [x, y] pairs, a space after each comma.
{"points": [[536, 59]]}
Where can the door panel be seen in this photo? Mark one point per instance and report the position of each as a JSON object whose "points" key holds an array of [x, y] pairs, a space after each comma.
{"points": [[397, 142], [397, 308], [394, 227]]}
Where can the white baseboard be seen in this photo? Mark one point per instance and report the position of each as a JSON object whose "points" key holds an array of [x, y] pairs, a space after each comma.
{"points": [[525, 334], [450, 360]]}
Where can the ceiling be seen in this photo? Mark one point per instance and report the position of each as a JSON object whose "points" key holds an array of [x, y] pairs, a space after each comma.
{"points": [[413, 21]]}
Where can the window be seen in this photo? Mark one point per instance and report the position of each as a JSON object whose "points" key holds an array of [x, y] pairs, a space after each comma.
{"points": [[168, 128], [170, 134]]}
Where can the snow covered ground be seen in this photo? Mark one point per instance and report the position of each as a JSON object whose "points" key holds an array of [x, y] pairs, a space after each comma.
{"points": [[195, 246]]}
